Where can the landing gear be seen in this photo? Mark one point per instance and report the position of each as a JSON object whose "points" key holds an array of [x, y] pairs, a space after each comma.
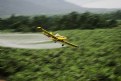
{"points": [[62, 44], [55, 41]]}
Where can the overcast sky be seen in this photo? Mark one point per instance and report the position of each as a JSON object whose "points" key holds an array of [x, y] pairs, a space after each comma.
{"points": [[97, 3]]}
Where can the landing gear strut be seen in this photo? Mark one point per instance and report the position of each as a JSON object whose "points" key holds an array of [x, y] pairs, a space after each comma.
{"points": [[55, 41]]}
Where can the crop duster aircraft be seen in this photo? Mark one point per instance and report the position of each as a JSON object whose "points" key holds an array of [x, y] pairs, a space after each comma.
{"points": [[56, 37]]}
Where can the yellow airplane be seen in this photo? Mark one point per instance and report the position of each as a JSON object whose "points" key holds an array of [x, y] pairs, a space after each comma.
{"points": [[56, 37]]}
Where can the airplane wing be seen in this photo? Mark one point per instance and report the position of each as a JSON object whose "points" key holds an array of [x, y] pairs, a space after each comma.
{"points": [[51, 35], [66, 42], [45, 31]]}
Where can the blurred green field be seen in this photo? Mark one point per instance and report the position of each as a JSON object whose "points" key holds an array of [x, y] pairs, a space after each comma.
{"points": [[98, 58]]}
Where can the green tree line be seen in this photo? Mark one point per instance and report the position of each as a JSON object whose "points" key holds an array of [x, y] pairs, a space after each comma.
{"points": [[73, 20]]}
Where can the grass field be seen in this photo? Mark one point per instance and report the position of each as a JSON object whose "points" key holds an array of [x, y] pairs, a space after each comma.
{"points": [[98, 58]]}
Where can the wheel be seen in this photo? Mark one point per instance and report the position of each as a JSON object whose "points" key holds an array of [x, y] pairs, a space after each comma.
{"points": [[62, 44]]}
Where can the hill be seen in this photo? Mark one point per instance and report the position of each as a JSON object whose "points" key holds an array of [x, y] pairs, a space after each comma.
{"points": [[97, 59], [32, 7], [29, 7]]}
